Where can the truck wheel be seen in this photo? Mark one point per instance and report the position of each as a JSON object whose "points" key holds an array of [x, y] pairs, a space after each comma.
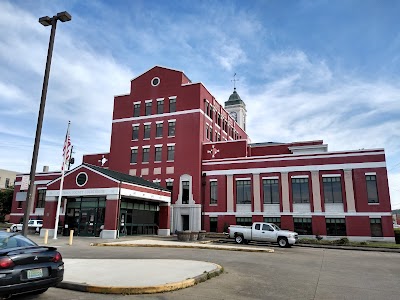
{"points": [[283, 242], [14, 229], [239, 239]]}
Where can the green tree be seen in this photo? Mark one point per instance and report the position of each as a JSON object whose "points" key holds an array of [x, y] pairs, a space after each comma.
{"points": [[6, 197]]}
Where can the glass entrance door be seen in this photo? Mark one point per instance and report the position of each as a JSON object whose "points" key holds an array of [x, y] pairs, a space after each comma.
{"points": [[87, 222]]}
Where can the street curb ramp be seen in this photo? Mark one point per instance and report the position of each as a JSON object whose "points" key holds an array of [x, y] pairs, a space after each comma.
{"points": [[168, 287]]}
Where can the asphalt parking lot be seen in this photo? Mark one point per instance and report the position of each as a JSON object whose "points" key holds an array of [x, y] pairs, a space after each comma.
{"points": [[293, 273]]}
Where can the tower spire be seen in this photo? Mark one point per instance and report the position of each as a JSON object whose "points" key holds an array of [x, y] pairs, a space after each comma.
{"points": [[234, 81]]}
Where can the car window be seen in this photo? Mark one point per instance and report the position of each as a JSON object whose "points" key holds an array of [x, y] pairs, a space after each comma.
{"points": [[267, 227], [30, 222], [13, 241], [40, 222], [257, 227]]}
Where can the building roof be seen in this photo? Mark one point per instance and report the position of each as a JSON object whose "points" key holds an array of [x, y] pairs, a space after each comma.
{"points": [[125, 177], [234, 98]]}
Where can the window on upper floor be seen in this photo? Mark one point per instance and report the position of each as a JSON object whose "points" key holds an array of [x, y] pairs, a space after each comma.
{"points": [[160, 106], [171, 153], [170, 187], [213, 192], [148, 109], [172, 105], [146, 152], [303, 226], [41, 199], [243, 192], [219, 119], [134, 155], [157, 153], [136, 110], [7, 183], [147, 129], [207, 134], [135, 132], [300, 190], [271, 191], [211, 115], [171, 128], [372, 189], [218, 137], [332, 189], [336, 226], [185, 192], [159, 129]]}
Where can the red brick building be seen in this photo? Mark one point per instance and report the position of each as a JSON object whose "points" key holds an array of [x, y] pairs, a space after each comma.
{"points": [[192, 156]]}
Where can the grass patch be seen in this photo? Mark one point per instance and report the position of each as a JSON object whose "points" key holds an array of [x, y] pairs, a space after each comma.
{"points": [[346, 242], [5, 225]]}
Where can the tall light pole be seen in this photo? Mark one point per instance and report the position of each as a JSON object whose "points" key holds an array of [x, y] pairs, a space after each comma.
{"points": [[45, 21]]}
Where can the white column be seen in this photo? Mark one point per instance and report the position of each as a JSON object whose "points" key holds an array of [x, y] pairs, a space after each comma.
{"points": [[348, 184], [315, 185], [229, 193], [285, 192], [256, 192]]}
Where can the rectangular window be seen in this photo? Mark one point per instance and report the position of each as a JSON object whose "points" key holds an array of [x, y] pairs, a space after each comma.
{"points": [[213, 224], [207, 108], [275, 220], [376, 227], [211, 112], [160, 106], [303, 226], [243, 192], [213, 192], [7, 183], [41, 199], [207, 132], [271, 191], [171, 128], [135, 132], [146, 152], [244, 221], [136, 110], [218, 137], [172, 105], [219, 119], [185, 192], [159, 129], [148, 108], [372, 189], [335, 227], [171, 153], [170, 187], [300, 192], [332, 189], [158, 153], [134, 156], [147, 129]]}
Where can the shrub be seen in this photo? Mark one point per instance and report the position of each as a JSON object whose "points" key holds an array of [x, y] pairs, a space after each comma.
{"points": [[343, 241], [397, 235]]}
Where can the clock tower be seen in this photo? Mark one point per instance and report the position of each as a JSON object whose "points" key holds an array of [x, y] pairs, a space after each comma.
{"points": [[237, 109]]}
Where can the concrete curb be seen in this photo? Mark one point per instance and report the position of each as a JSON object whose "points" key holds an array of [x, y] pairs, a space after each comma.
{"points": [[187, 246], [81, 287], [392, 250]]}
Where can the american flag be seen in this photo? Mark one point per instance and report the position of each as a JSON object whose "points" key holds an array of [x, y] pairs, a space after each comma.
{"points": [[66, 149]]}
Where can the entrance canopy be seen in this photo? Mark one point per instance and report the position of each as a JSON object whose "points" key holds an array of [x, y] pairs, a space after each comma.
{"points": [[89, 180]]}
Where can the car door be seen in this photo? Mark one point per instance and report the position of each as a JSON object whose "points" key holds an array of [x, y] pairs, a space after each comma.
{"points": [[267, 233]]}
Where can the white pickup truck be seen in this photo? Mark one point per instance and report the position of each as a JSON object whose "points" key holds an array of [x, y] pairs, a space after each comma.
{"points": [[37, 224], [265, 232]]}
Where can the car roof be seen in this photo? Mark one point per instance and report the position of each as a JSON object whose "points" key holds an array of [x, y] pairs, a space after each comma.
{"points": [[6, 234]]}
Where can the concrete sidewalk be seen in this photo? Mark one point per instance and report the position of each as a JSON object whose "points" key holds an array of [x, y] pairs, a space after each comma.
{"points": [[135, 276]]}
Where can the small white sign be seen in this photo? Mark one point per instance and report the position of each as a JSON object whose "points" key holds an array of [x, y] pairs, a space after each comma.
{"points": [[24, 183]]}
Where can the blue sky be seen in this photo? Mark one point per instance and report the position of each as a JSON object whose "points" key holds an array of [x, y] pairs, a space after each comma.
{"points": [[307, 70]]}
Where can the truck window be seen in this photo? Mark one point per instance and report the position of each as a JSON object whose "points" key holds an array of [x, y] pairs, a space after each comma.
{"points": [[267, 227], [257, 227]]}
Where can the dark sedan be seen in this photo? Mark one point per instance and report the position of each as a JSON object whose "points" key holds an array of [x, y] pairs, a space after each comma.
{"points": [[26, 267]]}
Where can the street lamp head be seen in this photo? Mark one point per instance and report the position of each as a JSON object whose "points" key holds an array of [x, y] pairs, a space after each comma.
{"points": [[64, 16], [45, 21]]}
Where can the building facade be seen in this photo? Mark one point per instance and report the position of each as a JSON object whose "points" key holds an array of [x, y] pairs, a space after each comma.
{"points": [[174, 134], [7, 178]]}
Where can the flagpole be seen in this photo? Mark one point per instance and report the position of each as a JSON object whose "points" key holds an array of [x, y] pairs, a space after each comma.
{"points": [[61, 183]]}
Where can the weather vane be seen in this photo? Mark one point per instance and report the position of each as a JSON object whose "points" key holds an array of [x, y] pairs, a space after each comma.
{"points": [[234, 81]]}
